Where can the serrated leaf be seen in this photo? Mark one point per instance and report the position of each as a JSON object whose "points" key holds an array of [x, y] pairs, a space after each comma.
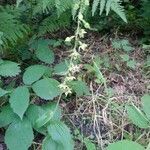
{"points": [[146, 105], [49, 144], [19, 100], [3, 92], [8, 68], [46, 88], [80, 88], [43, 52], [44, 119], [124, 145], [6, 116], [61, 68], [38, 112], [33, 73], [137, 117], [19, 135], [33, 113], [60, 133], [55, 109]]}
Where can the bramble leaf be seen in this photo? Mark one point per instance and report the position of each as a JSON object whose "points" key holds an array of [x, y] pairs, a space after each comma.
{"points": [[19, 135], [9, 69], [146, 105], [137, 117], [6, 116], [79, 87], [124, 145], [60, 133], [19, 100], [34, 73], [43, 52], [46, 88]]}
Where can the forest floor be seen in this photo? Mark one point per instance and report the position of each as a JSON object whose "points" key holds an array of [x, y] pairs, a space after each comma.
{"points": [[102, 118]]}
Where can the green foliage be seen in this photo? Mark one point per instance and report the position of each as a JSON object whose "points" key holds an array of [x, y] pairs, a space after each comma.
{"points": [[9, 69], [79, 87], [11, 26], [60, 133], [43, 52], [19, 100], [139, 118], [33, 73], [124, 144], [19, 135], [6, 116], [122, 45], [46, 88], [108, 5]]}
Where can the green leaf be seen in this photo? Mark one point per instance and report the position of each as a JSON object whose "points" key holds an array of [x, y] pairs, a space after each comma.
{"points": [[80, 88], [124, 145], [49, 144], [8, 68], [3, 92], [89, 145], [19, 100], [137, 117], [46, 88], [60, 133], [6, 116], [33, 73], [38, 112], [146, 105], [43, 52], [125, 57], [61, 68], [19, 135], [131, 64], [55, 109], [44, 119]]}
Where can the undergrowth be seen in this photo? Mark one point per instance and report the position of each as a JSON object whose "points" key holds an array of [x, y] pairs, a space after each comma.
{"points": [[34, 82]]}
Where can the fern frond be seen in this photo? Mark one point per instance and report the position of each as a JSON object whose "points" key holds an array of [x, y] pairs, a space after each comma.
{"points": [[53, 23], [94, 6], [11, 27], [118, 9], [46, 6], [108, 5]]}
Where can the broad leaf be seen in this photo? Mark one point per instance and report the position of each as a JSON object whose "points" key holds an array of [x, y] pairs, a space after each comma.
{"points": [[89, 145], [38, 112], [8, 68], [124, 145], [3, 92], [55, 109], [137, 117], [33, 73], [19, 100], [61, 68], [46, 88], [6, 116], [60, 133], [43, 52], [79, 87], [34, 112], [49, 144], [146, 105], [19, 135]]}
